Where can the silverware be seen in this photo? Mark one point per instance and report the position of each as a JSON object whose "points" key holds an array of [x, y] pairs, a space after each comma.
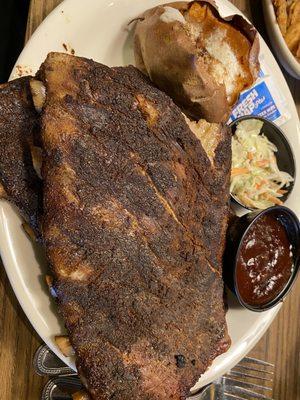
{"points": [[250, 379], [45, 362], [61, 387]]}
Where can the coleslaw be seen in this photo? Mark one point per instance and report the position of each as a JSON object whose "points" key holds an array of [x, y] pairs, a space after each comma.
{"points": [[256, 180]]}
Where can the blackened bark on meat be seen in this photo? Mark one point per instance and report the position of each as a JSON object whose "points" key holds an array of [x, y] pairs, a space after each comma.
{"points": [[134, 226], [19, 129]]}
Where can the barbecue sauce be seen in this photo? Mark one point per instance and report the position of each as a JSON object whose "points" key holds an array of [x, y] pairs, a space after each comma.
{"points": [[265, 262]]}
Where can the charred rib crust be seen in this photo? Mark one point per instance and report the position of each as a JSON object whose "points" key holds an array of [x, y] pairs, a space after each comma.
{"points": [[19, 128], [134, 226]]}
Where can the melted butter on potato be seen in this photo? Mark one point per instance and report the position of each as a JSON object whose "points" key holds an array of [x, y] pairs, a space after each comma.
{"points": [[227, 48], [227, 70]]}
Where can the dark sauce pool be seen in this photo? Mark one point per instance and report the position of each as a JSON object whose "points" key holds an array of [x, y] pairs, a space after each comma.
{"points": [[264, 263]]}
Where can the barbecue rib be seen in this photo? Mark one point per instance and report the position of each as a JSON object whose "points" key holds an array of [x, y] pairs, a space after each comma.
{"points": [[19, 128], [134, 229]]}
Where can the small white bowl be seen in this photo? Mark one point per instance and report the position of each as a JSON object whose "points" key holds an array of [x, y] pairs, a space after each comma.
{"points": [[281, 49]]}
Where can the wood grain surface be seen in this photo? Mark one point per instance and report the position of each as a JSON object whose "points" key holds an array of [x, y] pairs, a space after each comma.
{"points": [[18, 341]]}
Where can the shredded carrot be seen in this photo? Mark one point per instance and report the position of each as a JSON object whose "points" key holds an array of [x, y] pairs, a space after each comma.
{"points": [[262, 163], [250, 155], [273, 199], [239, 171], [281, 191], [260, 184]]}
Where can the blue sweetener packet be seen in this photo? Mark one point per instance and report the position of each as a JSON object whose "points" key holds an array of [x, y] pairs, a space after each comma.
{"points": [[262, 99]]}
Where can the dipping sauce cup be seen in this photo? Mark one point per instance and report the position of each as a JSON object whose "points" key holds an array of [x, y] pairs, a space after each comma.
{"points": [[262, 256]]}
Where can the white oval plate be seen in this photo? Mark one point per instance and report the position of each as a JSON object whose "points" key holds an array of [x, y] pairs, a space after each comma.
{"points": [[98, 29]]}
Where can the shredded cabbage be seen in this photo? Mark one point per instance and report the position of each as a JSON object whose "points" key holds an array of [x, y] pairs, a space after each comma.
{"points": [[256, 180]]}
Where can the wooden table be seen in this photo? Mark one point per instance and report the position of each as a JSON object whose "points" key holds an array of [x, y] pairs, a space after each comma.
{"points": [[18, 340]]}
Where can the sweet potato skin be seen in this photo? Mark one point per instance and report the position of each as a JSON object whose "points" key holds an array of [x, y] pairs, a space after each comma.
{"points": [[166, 53]]}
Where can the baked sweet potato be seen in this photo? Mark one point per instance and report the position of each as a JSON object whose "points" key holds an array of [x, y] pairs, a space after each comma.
{"points": [[203, 61]]}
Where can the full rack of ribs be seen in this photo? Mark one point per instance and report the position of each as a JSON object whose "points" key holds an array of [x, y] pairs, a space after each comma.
{"points": [[134, 225], [19, 130]]}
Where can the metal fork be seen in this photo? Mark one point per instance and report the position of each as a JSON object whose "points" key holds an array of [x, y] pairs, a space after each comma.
{"points": [[250, 379]]}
